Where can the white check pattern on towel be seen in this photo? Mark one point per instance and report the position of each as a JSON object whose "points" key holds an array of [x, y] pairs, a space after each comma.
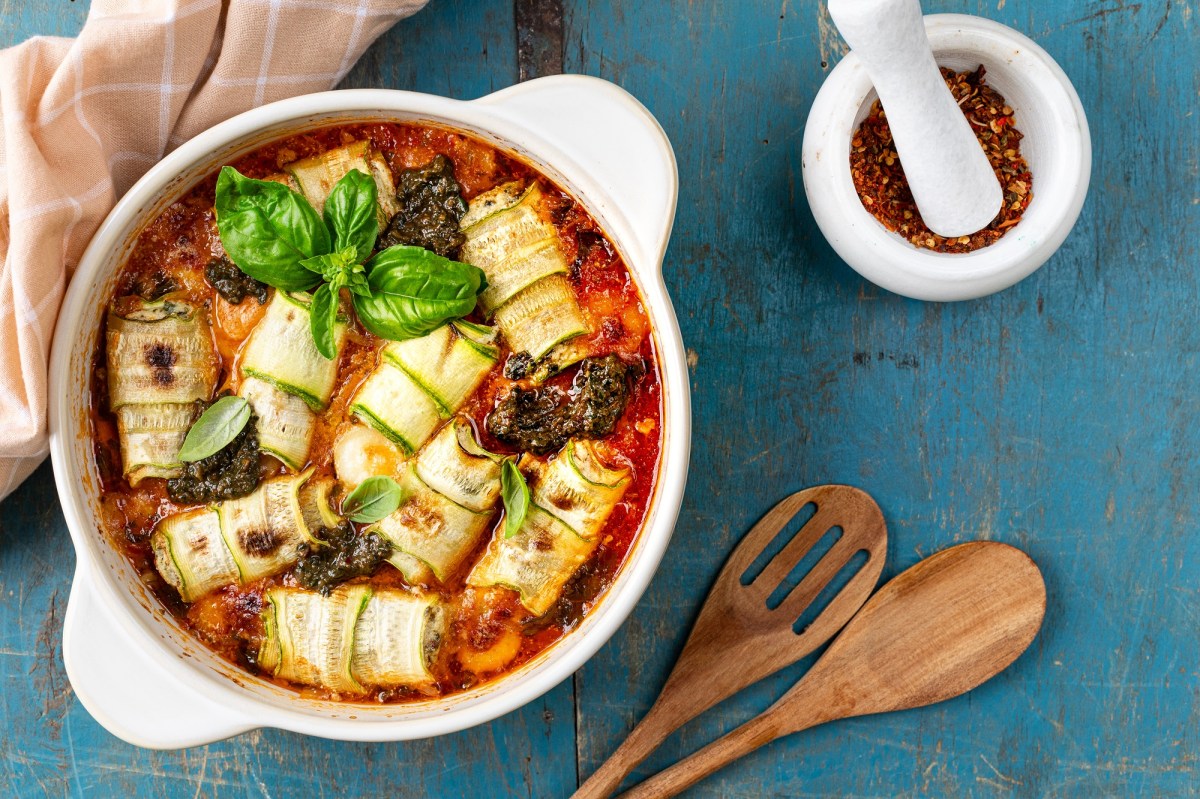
{"points": [[82, 119]]}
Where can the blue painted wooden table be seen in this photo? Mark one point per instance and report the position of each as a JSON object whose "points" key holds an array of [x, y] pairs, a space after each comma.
{"points": [[1060, 415]]}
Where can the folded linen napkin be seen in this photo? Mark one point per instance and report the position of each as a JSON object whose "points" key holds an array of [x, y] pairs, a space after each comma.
{"points": [[81, 120]]}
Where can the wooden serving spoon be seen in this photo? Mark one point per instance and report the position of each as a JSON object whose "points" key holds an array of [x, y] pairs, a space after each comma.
{"points": [[948, 624], [737, 639]]}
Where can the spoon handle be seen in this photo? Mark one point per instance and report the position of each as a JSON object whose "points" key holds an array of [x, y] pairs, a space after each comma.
{"points": [[651, 731], [759, 731]]}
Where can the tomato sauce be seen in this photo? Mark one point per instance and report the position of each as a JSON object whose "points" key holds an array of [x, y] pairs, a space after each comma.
{"points": [[179, 243]]}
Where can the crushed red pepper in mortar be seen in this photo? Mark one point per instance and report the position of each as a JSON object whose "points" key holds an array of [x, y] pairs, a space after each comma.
{"points": [[884, 191]]}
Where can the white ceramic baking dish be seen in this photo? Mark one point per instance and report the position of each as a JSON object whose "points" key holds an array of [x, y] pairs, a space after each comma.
{"points": [[132, 666]]}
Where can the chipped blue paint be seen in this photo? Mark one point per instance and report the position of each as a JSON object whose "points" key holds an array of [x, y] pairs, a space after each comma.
{"points": [[1057, 416]]}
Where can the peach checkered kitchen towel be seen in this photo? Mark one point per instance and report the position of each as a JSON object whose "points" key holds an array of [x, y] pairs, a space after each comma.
{"points": [[82, 119]]}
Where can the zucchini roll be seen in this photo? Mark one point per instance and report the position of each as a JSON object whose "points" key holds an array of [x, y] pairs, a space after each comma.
{"points": [[422, 381], [355, 638], [285, 422], [450, 490], [315, 177], [573, 496], [240, 540], [281, 352], [316, 504], [161, 361], [518, 250]]}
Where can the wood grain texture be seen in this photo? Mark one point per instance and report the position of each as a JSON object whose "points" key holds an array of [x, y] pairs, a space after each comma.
{"points": [[940, 628], [757, 619], [1059, 415], [539, 38]]}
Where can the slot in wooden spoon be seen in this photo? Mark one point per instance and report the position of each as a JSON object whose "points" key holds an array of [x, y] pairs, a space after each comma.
{"points": [[737, 639], [941, 628]]}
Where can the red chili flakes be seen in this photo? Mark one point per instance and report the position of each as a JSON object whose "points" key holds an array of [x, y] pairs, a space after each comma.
{"points": [[883, 189]]}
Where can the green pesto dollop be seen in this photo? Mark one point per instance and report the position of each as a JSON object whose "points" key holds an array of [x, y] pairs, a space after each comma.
{"points": [[346, 554], [228, 473], [232, 283], [541, 420], [431, 206]]}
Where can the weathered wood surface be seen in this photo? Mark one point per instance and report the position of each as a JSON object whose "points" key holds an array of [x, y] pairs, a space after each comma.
{"points": [[539, 38], [1058, 416]]}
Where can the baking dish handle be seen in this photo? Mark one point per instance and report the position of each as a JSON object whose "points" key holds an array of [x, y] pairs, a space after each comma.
{"points": [[124, 688], [613, 137]]}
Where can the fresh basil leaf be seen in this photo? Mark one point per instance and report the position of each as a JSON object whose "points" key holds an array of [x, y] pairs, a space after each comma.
{"points": [[375, 498], [322, 317], [350, 213], [217, 426], [515, 493], [414, 291], [267, 230]]}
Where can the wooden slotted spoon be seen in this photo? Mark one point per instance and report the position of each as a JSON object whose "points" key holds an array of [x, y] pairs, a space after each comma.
{"points": [[737, 640], [945, 626]]}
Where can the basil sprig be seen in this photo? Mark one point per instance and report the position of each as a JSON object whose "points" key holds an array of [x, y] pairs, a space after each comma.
{"points": [[273, 234], [217, 426], [375, 498], [515, 493]]}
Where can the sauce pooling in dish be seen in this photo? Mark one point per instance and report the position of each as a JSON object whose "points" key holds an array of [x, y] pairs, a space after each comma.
{"points": [[444, 497]]}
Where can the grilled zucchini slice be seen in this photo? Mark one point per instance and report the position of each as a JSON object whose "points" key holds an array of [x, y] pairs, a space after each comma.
{"points": [[536, 562], [573, 496], [161, 361], [528, 294], [316, 176], [449, 363], [240, 540], [431, 534], [579, 489], [281, 351], [396, 639], [309, 638], [422, 381], [542, 316], [285, 422], [455, 465], [355, 638], [513, 245]]}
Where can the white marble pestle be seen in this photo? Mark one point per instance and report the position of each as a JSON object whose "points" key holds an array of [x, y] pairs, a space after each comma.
{"points": [[951, 180]]}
